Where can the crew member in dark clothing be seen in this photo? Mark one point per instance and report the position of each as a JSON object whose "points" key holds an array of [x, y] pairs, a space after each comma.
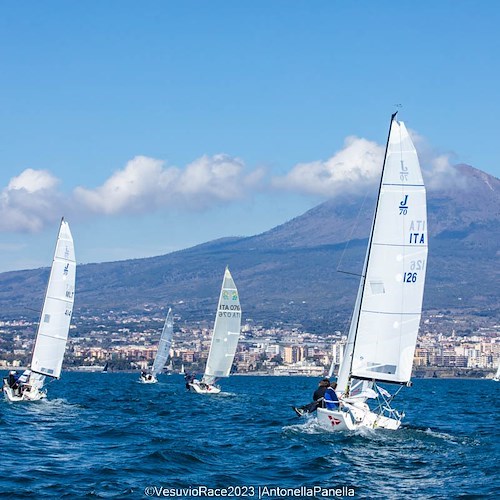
{"points": [[188, 379], [12, 380], [318, 396]]}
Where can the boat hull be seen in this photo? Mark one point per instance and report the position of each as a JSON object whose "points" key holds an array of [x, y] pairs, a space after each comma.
{"points": [[351, 417], [203, 388], [152, 380], [28, 394]]}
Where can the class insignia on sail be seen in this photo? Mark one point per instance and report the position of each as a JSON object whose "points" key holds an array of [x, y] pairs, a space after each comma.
{"points": [[53, 328], [224, 340], [386, 317]]}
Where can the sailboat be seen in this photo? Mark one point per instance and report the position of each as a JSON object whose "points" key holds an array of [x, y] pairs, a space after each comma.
{"points": [[53, 329], [496, 378], [105, 368], [224, 340], [163, 350], [384, 325]]}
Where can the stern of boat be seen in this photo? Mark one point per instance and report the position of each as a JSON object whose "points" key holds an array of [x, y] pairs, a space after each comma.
{"points": [[351, 417], [335, 420], [27, 394], [196, 387]]}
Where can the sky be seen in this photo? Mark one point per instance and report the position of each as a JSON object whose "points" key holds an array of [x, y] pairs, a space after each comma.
{"points": [[158, 125]]}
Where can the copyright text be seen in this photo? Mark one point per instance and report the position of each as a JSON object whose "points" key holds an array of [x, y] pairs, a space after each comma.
{"points": [[260, 492]]}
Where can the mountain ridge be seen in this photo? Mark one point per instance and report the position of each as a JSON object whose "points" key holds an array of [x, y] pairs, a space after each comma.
{"points": [[289, 273]]}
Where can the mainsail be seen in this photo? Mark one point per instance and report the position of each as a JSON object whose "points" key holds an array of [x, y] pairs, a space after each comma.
{"points": [[57, 309], [386, 318], [164, 345], [226, 332]]}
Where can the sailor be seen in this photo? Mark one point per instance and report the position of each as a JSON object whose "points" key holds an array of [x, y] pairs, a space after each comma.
{"points": [[318, 396], [330, 397], [12, 380], [188, 378]]}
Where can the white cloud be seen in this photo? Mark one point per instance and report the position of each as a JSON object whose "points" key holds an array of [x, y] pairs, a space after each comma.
{"points": [[437, 168], [134, 189], [146, 184], [357, 164], [29, 201]]}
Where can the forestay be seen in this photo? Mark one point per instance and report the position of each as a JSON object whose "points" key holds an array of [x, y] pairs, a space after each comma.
{"points": [[164, 345], [57, 309], [226, 332]]}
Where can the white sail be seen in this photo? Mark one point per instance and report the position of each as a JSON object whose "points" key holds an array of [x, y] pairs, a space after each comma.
{"points": [[57, 309], [497, 374], [385, 323], [226, 332], [164, 345]]}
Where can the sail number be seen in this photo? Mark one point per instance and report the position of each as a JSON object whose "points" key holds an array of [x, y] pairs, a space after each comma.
{"points": [[229, 311], [410, 278], [417, 265], [229, 314]]}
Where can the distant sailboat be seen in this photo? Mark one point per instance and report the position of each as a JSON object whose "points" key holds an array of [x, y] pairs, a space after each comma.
{"points": [[224, 340], [496, 378], [53, 328], [163, 350], [105, 369], [183, 371], [384, 326]]}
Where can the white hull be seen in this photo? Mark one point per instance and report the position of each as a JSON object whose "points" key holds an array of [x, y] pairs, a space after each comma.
{"points": [[354, 416], [200, 388], [152, 380], [31, 394]]}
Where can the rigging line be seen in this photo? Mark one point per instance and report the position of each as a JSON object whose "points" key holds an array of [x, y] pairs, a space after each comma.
{"points": [[31, 309], [352, 274], [353, 228]]}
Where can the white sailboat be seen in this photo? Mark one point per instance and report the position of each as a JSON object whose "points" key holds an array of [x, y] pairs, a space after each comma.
{"points": [[384, 326], [163, 351], [496, 378], [53, 329], [224, 340]]}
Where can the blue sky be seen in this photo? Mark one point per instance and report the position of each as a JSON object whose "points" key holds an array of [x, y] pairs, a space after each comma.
{"points": [[153, 126]]}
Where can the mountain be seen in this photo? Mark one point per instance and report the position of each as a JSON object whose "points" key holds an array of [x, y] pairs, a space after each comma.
{"points": [[290, 273]]}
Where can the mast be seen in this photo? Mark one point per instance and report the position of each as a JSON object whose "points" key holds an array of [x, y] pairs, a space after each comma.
{"points": [[359, 301]]}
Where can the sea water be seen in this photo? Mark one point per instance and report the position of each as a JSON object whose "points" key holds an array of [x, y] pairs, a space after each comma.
{"points": [[108, 436]]}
